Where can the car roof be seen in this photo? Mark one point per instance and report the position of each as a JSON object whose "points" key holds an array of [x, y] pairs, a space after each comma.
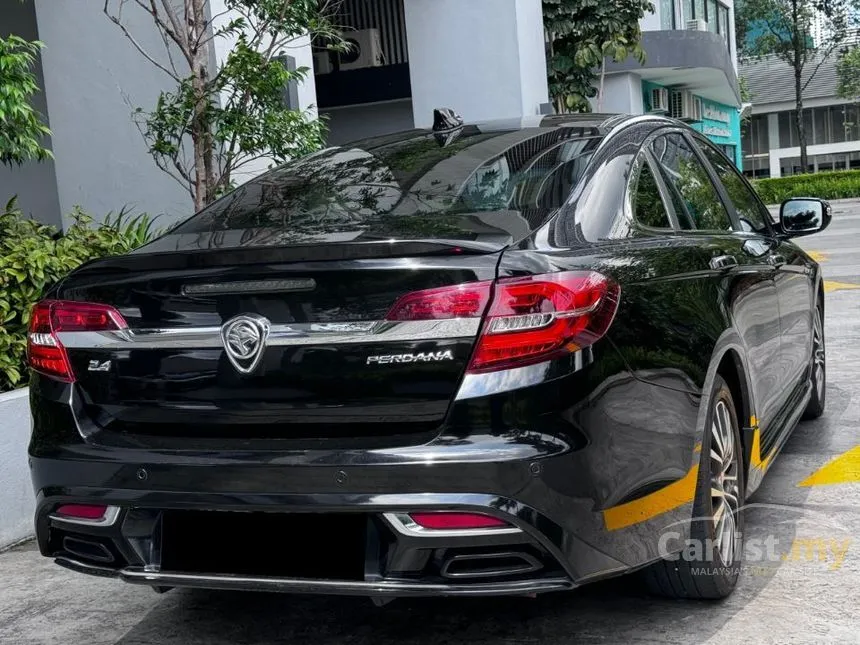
{"points": [[600, 124]]}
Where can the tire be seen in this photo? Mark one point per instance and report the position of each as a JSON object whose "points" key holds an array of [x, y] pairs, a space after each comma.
{"points": [[818, 372], [715, 573]]}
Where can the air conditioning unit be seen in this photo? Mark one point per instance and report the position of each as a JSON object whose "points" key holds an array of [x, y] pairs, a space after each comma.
{"points": [[685, 105], [697, 25], [660, 100], [364, 50], [322, 63]]}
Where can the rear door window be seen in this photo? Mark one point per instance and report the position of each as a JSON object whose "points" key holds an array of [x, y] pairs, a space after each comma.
{"points": [[687, 177], [648, 207]]}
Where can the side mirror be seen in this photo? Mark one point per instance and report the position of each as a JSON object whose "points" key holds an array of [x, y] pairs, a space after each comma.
{"points": [[804, 216]]}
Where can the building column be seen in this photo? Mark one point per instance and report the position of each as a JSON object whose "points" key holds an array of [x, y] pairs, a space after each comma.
{"points": [[485, 59], [622, 93]]}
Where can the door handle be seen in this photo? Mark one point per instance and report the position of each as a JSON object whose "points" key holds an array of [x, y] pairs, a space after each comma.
{"points": [[723, 262], [776, 260]]}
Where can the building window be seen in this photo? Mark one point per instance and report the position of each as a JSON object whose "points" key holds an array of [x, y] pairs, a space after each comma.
{"points": [[699, 10], [712, 15], [755, 147], [833, 124], [821, 163], [667, 14], [723, 21], [787, 134], [686, 12]]}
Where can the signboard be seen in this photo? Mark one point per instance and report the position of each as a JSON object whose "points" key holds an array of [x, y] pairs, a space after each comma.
{"points": [[711, 131], [716, 114]]}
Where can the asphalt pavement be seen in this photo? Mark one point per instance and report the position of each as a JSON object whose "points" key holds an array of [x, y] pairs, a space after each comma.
{"points": [[805, 589]]}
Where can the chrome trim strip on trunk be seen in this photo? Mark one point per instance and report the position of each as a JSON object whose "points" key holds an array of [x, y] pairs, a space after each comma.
{"points": [[390, 588], [295, 335], [506, 380]]}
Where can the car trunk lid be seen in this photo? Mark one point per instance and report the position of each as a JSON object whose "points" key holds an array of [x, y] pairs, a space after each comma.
{"points": [[331, 367]]}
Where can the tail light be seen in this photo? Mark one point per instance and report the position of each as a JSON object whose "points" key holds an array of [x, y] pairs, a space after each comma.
{"points": [[83, 511], [528, 320], [460, 301], [45, 352], [537, 318], [445, 521]]}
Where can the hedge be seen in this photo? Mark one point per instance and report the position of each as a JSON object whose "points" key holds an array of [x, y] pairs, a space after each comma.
{"points": [[34, 256], [824, 185]]}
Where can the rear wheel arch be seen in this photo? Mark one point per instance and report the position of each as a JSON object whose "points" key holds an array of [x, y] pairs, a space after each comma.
{"points": [[733, 371]]}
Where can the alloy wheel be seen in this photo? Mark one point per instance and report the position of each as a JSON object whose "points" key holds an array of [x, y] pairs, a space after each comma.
{"points": [[818, 356], [725, 489]]}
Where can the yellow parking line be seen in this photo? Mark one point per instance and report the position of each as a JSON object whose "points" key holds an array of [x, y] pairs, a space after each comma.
{"points": [[830, 286], [844, 469], [818, 256]]}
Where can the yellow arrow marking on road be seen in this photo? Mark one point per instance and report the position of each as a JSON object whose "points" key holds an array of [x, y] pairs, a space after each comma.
{"points": [[845, 469], [830, 286]]}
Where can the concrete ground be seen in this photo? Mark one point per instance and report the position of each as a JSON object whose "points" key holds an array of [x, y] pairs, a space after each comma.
{"points": [[809, 593]]}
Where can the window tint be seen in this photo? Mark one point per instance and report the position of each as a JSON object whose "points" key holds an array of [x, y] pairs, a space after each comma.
{"points": [[703, 209], [751, 212], [475, 186], [648, 207]]}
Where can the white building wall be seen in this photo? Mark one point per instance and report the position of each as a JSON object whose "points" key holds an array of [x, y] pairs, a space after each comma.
{"points": [[35, 184], [353, 122], [622, 93], [652, 21], [94, 78], [532, 56], [484, 58], [17, 501]]}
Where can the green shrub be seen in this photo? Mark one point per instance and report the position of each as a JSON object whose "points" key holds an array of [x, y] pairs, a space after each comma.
{"points": [[824, 185], [34, 256]]}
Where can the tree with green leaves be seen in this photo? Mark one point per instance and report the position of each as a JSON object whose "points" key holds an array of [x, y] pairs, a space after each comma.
{"points": [[220, 118], [582, 35], [22, 130], [783, 28], [848, 73]]}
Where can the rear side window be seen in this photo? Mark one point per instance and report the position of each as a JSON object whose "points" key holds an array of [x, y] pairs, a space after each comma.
{"points": [[478, 186], [751, 212], [702, 208], [648, 207]]}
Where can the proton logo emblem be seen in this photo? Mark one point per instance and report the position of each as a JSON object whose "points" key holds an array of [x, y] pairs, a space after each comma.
{"points": [[244, 339]]}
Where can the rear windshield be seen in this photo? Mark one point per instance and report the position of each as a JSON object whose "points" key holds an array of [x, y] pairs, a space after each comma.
{"points": [[473, 185]]}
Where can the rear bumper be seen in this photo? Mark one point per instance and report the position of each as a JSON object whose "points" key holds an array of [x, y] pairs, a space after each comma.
{"points": [[382, 588], [590, 493], [563, 531], [395, 563]]}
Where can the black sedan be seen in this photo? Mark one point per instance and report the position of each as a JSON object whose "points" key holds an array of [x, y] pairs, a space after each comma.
{"points": [[500, 359]]}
